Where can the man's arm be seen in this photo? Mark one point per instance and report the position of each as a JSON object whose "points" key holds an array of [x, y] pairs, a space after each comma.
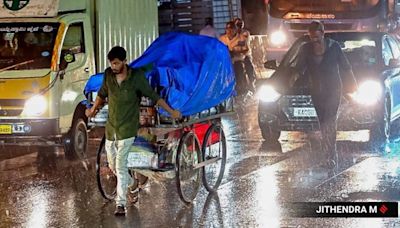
{"points": [[297, 67], [147, 91], [91, 112], [229, 43], [240, 44], [243, 43], [349, 82], [174, 113], [299, 63], [100, 99]]}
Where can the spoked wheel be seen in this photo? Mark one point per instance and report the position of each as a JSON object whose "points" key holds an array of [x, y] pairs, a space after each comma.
{"points": [[214, 151], [106, 180], [187, 176]]}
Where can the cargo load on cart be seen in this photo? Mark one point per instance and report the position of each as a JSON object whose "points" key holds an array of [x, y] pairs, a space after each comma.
{"points": [[192, 73]]}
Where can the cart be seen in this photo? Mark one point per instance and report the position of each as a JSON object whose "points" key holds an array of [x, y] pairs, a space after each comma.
{"points": [[195, 148]]}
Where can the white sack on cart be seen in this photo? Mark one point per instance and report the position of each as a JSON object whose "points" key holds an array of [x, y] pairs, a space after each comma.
{"points": [[138, 157]]}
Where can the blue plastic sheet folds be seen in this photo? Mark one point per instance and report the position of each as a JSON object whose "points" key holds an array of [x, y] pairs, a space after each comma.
{"points": [[191, 72]]}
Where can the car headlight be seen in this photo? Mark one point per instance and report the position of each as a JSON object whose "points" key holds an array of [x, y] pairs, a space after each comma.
{"points": [[35, 106], [267, 93], [368, 93], [278, 38]]}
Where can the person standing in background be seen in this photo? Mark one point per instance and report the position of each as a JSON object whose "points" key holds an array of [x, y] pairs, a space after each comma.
{"points": [[231, 40], [244, 40]]}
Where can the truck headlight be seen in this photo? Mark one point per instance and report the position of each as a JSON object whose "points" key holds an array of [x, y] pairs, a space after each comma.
{"points": [[368, 93], [35, 106], [267, 93], [278, 38]]}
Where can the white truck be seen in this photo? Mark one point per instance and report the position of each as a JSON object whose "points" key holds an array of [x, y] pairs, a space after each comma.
{"points": [[48, 50]]}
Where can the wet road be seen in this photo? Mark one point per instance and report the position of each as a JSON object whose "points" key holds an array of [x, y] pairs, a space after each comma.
{"points": [[42, 189]]}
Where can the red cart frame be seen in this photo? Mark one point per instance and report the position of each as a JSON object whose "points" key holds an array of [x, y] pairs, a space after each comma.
{"points": [[196, 149]]}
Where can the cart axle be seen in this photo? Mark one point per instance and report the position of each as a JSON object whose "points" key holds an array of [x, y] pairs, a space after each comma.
{"points": [[204, 163]]}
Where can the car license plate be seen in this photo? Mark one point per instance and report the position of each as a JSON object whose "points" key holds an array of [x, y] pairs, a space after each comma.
{"points": [[5, 129], [304, 112]]}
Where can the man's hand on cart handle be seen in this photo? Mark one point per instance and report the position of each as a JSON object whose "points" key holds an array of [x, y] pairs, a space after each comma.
{"points": [[91, 112], [175, 114]]}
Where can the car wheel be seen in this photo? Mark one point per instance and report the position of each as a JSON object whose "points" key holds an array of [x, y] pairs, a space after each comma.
{"points": [[270, 134]]}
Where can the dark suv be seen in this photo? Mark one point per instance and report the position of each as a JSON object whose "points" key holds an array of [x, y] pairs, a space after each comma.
{"points": [[376, 104]]}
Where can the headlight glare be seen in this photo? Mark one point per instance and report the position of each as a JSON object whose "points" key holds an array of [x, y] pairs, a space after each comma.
{"points": [[267, 93], [368, 93], [278, 38], [35, 106]]}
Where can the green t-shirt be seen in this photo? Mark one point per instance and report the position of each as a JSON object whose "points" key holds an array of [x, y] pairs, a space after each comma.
{"points": [[124, 102]]}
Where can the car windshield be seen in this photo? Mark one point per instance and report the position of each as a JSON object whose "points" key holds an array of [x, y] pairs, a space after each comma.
{"points": [[359, 51], [26, 45]]}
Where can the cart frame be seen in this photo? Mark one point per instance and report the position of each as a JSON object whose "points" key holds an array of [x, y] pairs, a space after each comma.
{"points": [[193, 162]]}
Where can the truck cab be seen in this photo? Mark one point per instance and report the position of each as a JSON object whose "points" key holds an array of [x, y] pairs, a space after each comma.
{"points": [[48, 50]]}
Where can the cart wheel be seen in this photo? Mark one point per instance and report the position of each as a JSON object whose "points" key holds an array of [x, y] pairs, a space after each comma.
{"points": [[188, 178], [106, 180], [214, 147]]}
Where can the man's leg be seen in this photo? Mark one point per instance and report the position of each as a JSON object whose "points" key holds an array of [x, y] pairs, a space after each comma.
{"points": [[123, 178], [328, 133], [327, 116], [111, 150]]}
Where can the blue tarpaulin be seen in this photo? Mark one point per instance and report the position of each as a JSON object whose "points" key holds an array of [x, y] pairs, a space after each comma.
{"points": [[94, 83], [194, 72]]}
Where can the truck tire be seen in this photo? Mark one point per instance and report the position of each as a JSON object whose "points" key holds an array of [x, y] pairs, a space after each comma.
{"points": [[270, 134], [75, 143]]}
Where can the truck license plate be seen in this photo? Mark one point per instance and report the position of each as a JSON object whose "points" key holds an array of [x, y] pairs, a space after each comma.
{"points": [[304, 112], [5, 129]]}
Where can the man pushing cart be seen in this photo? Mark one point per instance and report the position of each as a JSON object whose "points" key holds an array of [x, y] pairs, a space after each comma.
{"points": [[198, 83]]}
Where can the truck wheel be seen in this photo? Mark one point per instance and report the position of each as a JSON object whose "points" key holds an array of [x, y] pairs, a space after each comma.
{"points": [[75, 143], [270, 134]]}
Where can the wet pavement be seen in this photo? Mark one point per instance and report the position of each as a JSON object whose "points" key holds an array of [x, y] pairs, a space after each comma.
{"points": [[40, 188]]}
